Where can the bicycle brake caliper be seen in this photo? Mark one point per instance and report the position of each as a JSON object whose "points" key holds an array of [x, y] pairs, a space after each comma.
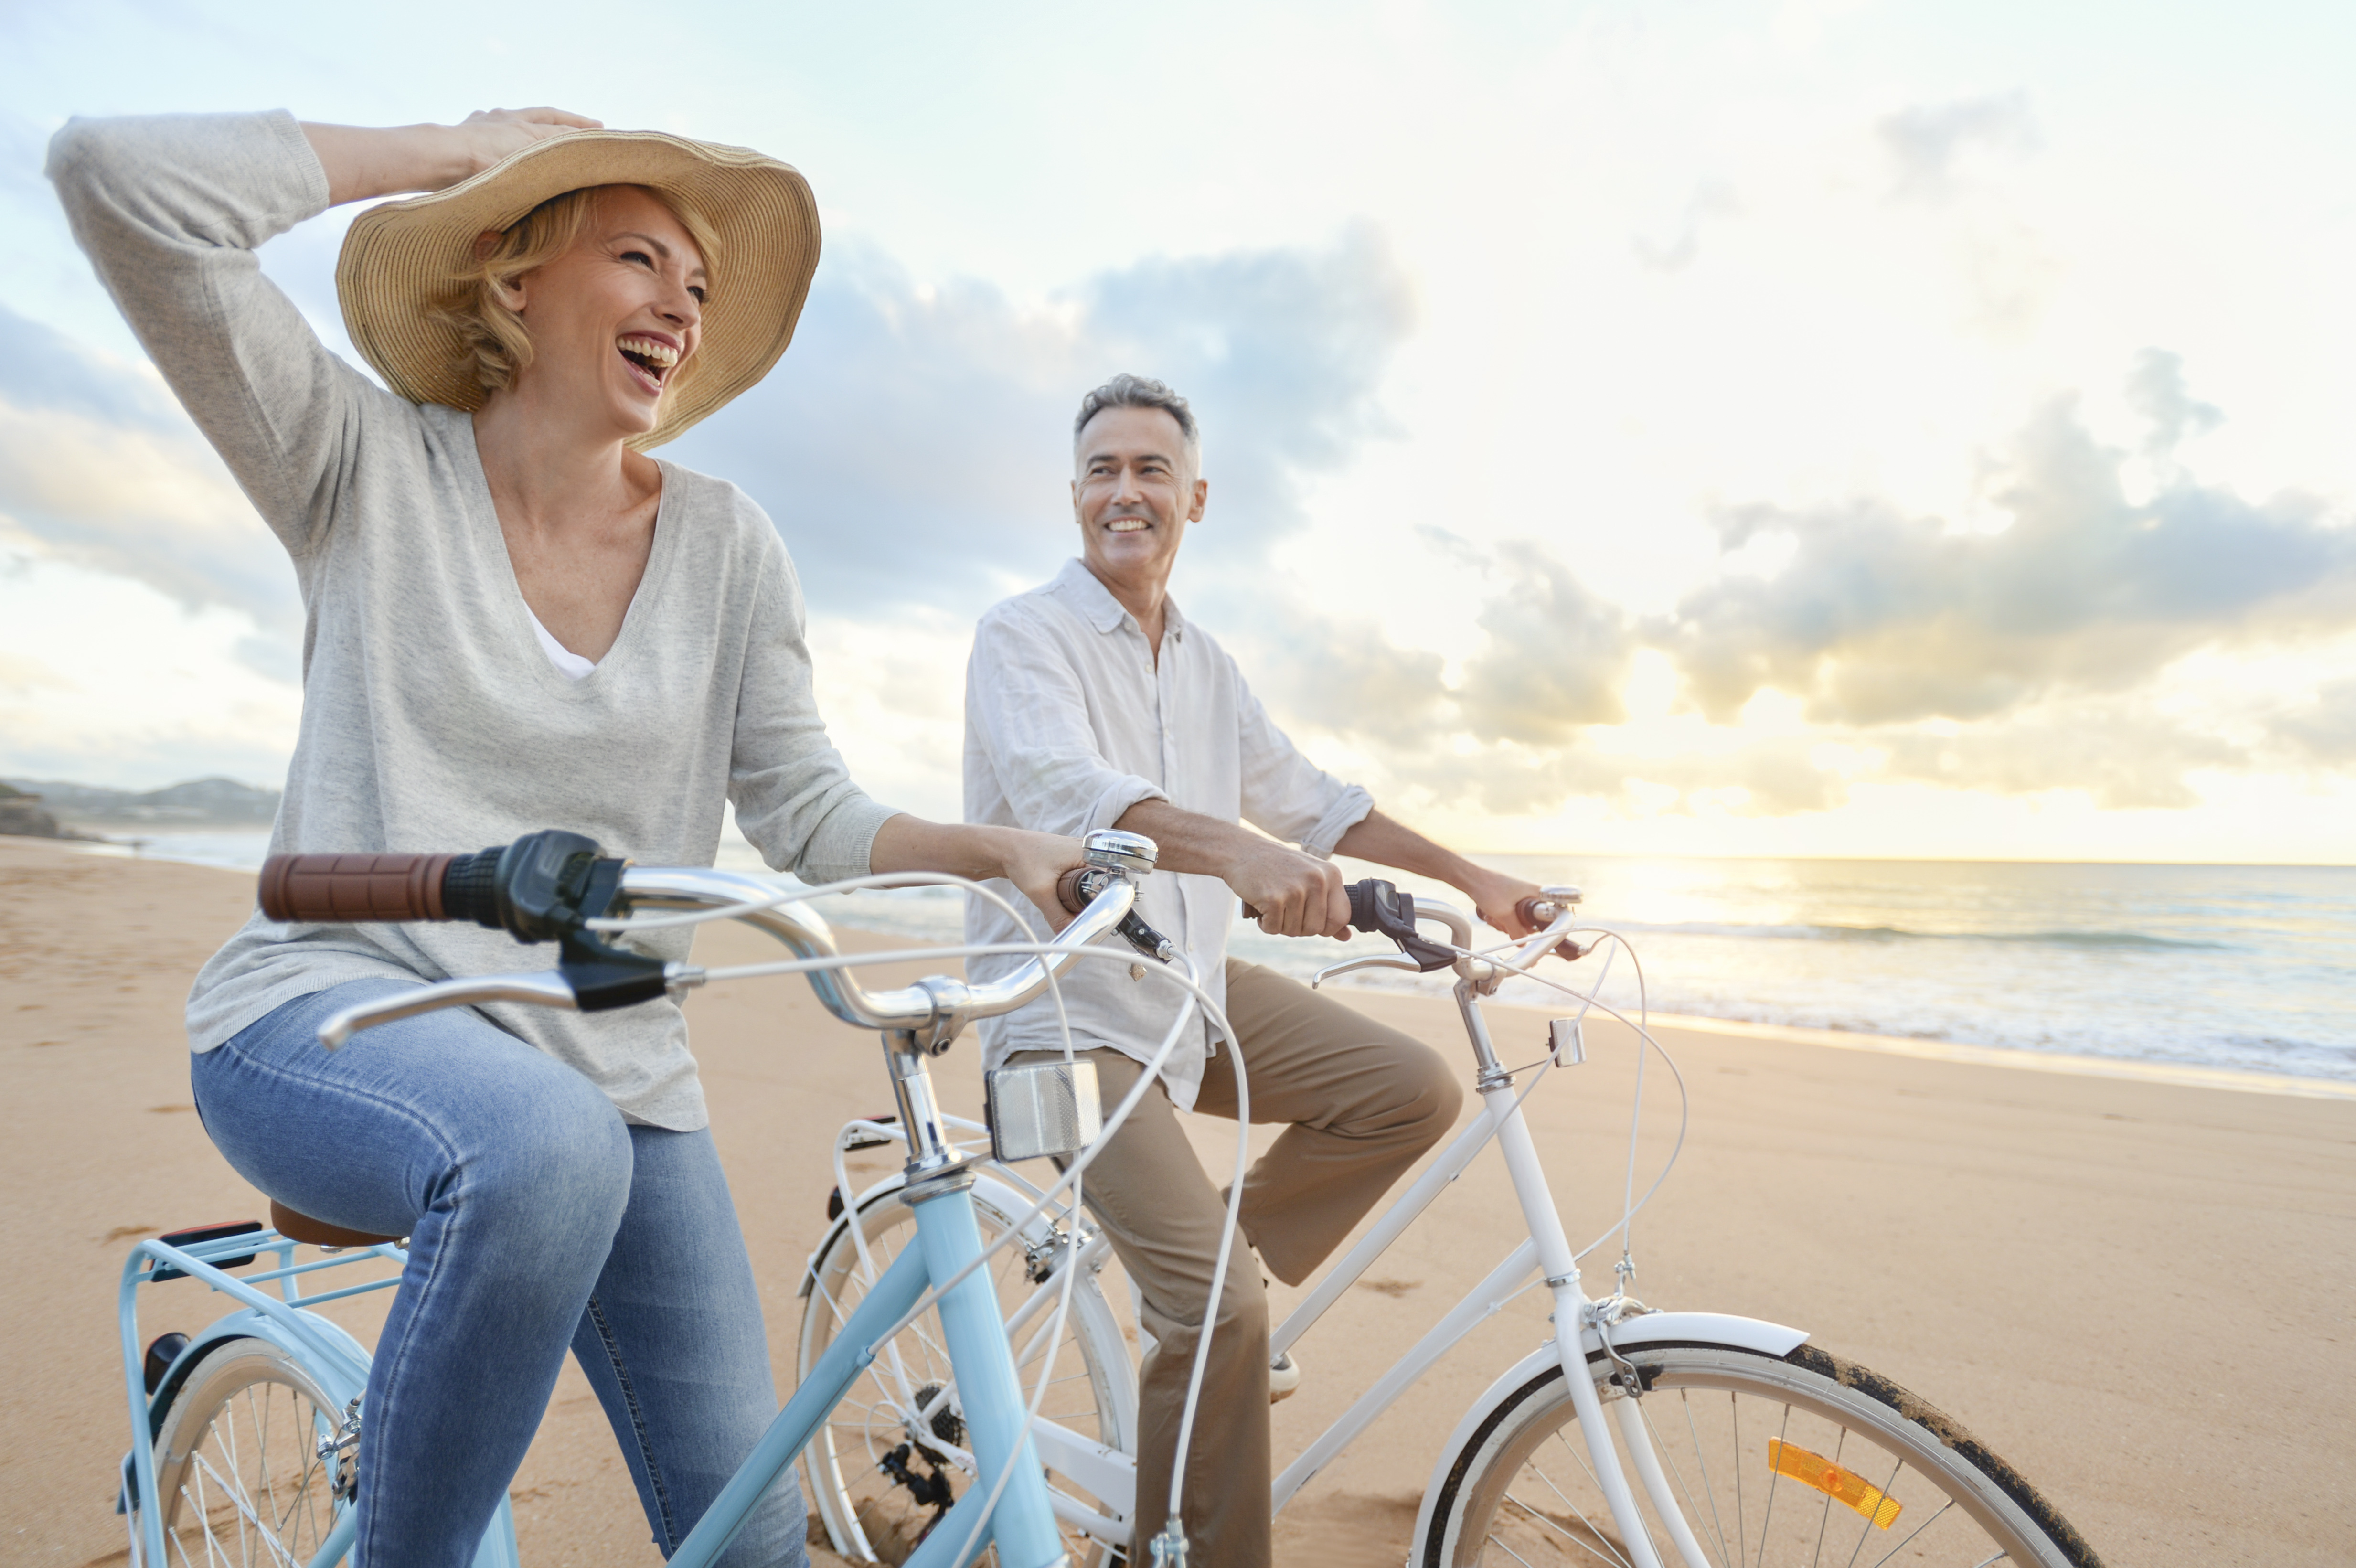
{"points": [[339, 1450], [1627, 1377]]}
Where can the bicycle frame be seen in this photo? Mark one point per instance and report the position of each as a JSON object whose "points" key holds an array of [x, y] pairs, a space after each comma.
{"points": [[1021, 1526], [1547, 1253]]}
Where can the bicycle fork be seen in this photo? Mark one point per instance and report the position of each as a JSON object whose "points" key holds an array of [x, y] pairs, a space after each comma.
{"points": [[940, 1194], [1572, 1313]]}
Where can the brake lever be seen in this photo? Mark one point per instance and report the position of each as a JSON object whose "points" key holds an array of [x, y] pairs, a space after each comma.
{"points": [[1378, 960], [1375, 906], [547, 987]]}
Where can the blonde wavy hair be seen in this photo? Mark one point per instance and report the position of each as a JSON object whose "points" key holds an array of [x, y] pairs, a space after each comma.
{"points": [[495, 338]]}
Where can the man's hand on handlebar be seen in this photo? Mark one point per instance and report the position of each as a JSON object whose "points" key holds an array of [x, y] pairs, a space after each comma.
{"points": [[1294, 894], [1494, 896]]}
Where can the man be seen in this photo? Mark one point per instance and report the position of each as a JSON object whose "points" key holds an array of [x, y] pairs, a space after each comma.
{"points": [[1091, 703]]}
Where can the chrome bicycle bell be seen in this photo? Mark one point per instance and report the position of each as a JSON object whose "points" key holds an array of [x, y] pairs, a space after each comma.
{"points": [[1110, 849]]}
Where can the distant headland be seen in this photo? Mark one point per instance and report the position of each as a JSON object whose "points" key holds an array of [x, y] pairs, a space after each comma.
{"points": [[51, 808]]}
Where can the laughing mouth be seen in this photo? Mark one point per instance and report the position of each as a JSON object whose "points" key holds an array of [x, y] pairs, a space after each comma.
{"points": [[1126, 525], [650, 359]]}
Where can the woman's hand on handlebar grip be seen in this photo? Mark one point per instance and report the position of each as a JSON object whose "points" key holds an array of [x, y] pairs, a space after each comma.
{"points": [[1038, 864]]}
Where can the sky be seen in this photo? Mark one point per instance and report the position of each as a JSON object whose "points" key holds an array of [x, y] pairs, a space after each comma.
{"points": [[1828, 427]]}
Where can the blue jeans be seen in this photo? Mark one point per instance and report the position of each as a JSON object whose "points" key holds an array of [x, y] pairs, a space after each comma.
{"points": [[537, 1219]]}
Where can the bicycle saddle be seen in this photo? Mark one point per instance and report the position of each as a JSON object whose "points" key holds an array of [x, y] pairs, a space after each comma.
{"points": [[299, 1227]]}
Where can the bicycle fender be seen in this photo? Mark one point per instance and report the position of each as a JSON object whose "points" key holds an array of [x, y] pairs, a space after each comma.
{"points": [[497, 1548], [246, 1324], [1653, 1328], [250, 1323], [842, 1222]]}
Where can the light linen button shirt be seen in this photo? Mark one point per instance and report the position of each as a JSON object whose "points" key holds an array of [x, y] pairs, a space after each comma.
{"points": [[1069, 723]]}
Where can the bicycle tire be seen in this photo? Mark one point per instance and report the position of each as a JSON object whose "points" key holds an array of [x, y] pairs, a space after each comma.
{"points": [[870, 1517], [238, 1473], [1870, 1474]]}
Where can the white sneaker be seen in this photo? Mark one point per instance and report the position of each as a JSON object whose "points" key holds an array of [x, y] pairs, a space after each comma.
{"points": [[1283, 1377]]}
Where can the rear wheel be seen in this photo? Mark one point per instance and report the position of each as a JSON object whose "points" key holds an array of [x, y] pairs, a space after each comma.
{"points": [[893, 1455], [1800, 1461], [237, 1471]]}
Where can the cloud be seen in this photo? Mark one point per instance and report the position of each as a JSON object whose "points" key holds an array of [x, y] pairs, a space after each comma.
{"points": [[99, 467], [1711, 200], [2157, 392], [1555, 661], [1769, 776], [1348, 678], [1551, 663], [1926, 143], [1505, 732], [1880, 618], [915, 443], [2125, 760], [2324, 731]]}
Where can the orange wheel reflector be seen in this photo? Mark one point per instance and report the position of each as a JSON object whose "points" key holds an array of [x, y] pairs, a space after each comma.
{"points": [[1846, 1486]]}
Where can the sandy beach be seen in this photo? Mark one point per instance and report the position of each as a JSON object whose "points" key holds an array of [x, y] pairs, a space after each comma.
{"points": [[2138, 1292]]}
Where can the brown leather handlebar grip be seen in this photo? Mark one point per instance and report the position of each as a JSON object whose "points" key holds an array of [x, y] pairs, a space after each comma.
{"points": [[1068, 890], [338, 889]]}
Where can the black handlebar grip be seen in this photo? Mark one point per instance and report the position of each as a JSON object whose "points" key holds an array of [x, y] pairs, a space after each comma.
{"points": [[338, 889], [470, 888], [1357, 900]]}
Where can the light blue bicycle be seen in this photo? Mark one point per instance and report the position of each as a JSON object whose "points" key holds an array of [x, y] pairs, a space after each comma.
{"points": [[245, 1436]]}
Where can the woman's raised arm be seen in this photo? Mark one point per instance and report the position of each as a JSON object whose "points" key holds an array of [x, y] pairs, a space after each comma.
{"points": [[363, 163], [170, 208]]}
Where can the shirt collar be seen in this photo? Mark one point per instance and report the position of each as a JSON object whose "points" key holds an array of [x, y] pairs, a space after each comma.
{"points": [[1100, 609]]}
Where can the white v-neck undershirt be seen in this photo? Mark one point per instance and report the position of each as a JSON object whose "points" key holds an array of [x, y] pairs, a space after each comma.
{"points": [[569, 664]]}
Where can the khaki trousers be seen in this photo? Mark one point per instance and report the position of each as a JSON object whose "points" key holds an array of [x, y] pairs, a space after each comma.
{"points": [[1365, 1101]]}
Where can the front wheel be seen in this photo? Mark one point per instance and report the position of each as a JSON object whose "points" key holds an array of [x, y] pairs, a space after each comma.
{"points": [[1804, 1460], [882, 1469], [237, 1471]]}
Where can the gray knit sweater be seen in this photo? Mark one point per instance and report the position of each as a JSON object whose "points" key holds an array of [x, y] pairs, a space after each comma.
{"points": [[431, 718]]}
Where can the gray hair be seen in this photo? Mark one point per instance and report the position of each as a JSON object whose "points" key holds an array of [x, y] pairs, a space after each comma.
{"points": [[1125, 391]]}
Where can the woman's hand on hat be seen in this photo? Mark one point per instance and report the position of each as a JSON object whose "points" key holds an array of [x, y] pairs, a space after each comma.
{"points": [[493, 133], [362, 163]]}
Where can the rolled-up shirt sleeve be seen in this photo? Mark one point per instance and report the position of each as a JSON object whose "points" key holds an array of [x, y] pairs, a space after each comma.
{"points": [[1284, 793], [1030, 715]]}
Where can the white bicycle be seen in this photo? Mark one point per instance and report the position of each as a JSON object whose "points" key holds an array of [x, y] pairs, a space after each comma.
{"points": [[1645, 1439]]}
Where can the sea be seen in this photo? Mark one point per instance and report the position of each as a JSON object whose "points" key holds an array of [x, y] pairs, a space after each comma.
{"points": [[2238, 967]]}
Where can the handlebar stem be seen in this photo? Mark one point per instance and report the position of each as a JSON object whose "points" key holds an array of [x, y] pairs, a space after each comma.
{"points": [[930, 1152]]}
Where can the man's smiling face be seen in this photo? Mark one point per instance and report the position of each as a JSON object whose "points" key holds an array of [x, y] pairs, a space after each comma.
{"points": [[1133, 494]]}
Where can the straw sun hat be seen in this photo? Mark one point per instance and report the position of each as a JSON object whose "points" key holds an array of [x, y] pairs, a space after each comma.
{"points": [[401, 259]]}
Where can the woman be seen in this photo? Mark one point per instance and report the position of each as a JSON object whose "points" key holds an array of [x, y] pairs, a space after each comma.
{"points": [[515, 619]]}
